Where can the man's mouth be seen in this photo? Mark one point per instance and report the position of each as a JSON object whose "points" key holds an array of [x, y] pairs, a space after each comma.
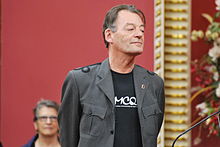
{"points": [[137, 43]]}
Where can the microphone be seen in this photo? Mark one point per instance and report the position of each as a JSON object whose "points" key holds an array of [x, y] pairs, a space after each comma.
{"points": [[197, 125], [218, 120]]}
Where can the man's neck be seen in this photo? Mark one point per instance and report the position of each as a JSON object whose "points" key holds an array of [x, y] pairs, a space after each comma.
{"points": [[121, 63], [50, 141]]}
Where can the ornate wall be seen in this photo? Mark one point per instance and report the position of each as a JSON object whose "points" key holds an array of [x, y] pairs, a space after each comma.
{"points": [[172, 62]]}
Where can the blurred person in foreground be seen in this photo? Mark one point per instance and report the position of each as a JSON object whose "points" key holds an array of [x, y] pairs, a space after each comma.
{"points": [[115, 103], [45, 124]]}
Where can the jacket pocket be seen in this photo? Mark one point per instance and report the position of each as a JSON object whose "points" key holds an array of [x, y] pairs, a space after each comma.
{"points": [[92, 121], [151, 116]]}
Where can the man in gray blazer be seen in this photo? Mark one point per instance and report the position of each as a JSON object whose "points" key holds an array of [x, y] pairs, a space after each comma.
{"points": [[115, 103]]}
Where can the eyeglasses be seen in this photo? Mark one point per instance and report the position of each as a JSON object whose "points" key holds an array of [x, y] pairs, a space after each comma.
{"points": [[45, 118]]}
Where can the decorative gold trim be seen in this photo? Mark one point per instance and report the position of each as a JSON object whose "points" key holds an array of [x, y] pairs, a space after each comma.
{"points": [[176, 104], [176, 1], [176, 18], [175, 87], [176, 112], [158, 2], [176, 95], [158, 12], [176, 36], [175, 61], [176, 121], [179, 27], [158, 23], [176, 44], [176, 10], [172, 138], [158, 45], [158, 66], [158, 55], [158, 140], [176, 146], [175, 70], [174, 129], [158, 34], [175, 53], [176, 78]]}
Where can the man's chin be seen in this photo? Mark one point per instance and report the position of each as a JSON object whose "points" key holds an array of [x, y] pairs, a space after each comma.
{"points": [[137, 52]]}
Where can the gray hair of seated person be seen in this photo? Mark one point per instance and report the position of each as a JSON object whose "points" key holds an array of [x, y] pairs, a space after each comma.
{"points": [[44, 103]]}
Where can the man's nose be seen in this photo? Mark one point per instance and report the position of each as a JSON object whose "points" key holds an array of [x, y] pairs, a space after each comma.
{"points": [[48, 120], [139, 34]]}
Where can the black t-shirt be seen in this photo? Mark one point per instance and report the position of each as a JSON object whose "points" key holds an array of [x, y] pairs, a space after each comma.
{"points": [[127, 126]]}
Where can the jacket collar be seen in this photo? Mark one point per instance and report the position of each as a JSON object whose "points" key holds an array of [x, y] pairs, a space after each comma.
{"points": [[105, 83], [104, 80]]}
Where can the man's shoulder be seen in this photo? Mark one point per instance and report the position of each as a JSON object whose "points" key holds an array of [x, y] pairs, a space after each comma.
{"points": [[87, 68], [146, 71], [150, 74]]}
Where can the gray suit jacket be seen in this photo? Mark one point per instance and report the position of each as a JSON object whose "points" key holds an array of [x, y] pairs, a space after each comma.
{"points": [[86, 115]]}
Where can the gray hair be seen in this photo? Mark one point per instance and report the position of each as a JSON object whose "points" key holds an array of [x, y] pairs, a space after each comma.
{"points": [[112, 15], [44, 103]]}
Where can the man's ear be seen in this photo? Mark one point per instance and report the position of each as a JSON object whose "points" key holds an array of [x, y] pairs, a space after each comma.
{"points": [[108, 35]]}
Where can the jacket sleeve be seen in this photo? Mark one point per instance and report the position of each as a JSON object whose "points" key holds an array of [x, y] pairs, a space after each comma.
{"points": [[69, 113], [161, 102]]}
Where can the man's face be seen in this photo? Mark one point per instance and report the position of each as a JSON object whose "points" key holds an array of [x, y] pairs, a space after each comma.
{"points": [[129, 35], [47, 124]]}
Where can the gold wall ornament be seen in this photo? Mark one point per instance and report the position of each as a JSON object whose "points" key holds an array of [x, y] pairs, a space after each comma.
{"points": [[158, 55], [158, 66], [158, 34], [158, 44], [159, 50], [175, 78], [173, 138], [175, 53], [175, 129], [176, 36], [176, 112], [176, 44], [158, 23], [176, 10], [158, 2], [176, 1], [176, 104], [159, 140], [176, 27], [176, 61], [176, 95], [175, 86], [171, 54], [176, 145], [158, 13], [179, 121], [175, 19], [175, 70]]}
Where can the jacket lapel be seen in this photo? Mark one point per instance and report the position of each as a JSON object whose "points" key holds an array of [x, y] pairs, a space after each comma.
{"points": [[105, 83], [140, 83], [104, 80]]}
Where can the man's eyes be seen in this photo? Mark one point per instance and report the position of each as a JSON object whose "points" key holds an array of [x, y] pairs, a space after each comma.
{"points": [[130, 29]]}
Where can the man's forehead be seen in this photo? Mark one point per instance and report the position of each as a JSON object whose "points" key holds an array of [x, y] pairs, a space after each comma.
{"points": [[132, 24], [46, 109], [128, 16]]}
